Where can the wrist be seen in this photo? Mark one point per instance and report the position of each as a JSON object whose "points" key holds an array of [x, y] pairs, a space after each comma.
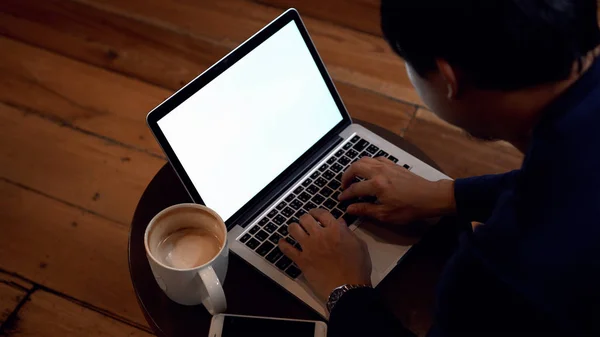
{"points": [[340, 291], [445, 202]]}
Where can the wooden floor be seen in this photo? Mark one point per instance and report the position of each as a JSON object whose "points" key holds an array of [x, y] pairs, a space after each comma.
{"points": [[77, 78]]}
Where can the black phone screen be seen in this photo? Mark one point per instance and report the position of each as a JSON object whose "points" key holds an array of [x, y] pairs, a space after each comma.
{"points": [[248, 326]]}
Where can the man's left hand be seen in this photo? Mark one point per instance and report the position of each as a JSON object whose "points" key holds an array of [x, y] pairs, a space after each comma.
{"points": [[332, 255]]}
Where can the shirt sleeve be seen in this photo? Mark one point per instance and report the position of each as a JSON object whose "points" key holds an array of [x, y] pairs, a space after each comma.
{"points": [[476, 197], [361, 312]]}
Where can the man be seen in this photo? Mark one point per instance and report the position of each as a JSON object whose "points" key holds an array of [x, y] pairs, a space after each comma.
{"points": [[519, 70]]}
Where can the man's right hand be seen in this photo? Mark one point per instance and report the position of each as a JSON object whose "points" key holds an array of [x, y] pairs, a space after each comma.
{"points": [[402, 196]]}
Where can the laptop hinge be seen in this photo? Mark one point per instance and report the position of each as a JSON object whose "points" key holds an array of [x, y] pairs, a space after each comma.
{"points": [[247, 217]]}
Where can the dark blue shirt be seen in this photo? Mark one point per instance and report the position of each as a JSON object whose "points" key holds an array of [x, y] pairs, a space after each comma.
{"points": [[534, 266]]}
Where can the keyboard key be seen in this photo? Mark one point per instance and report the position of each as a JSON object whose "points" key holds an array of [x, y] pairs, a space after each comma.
{"points": [[349, 218], [274, 255], [283, 230], [264, 248], [263, 221], [382, 153], [406, 166], [290, 197], [261, 235], [334, 184], [283, 263], [245, 238], [339, 177], [344, 160], [309, 205], [293, 272], [254, 229], [298, 190], [344, 204], [279, 219], [352, 154], [331, 160], [315, 175], [300, 213], [355, 139], [326, 191], [365, 154], [318, 199], [337, 167], [304, 197], [372, 149], [330, 203], [361, 145], [347, 146], [321, 182], [323, 167], [287, 212], [307, 182], [328, 175], [296, 204], [336, 195], [275, 238], [312, 189], [281, 205], [290, 241], [272, 213], [339, 153], [336, 213], [292, 220], [394, 159], [253, 243]]}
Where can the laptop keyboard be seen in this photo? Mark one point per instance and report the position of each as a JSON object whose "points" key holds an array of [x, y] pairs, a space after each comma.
{"points": [[320, 190]]}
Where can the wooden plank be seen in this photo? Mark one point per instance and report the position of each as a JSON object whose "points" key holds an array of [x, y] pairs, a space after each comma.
{"points": [[362, 15], [457, 154], [169, 59], [10, 297], [15, 281], [80, 169], [46, 314], [352, 57], [63, 248], [77, 94]]}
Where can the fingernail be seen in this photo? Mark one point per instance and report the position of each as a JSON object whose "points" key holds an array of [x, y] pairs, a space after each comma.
{"points": [[340, 196]]}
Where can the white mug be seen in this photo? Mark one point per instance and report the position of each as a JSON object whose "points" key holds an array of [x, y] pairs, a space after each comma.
{"points": [[199, 284]]}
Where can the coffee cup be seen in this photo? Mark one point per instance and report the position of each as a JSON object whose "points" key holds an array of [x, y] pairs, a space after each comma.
{"points": [[186, 246]]}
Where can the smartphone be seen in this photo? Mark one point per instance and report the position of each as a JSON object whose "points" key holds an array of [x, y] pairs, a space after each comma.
{"points": [[240, 326]]}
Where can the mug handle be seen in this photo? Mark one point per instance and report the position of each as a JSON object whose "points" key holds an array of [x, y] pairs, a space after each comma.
{"points": [[215, 301]]}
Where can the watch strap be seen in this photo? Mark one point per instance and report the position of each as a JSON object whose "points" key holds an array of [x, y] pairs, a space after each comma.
{"points": [[338, 292]]}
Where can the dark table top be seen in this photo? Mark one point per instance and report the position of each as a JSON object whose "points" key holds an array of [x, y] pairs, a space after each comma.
{"points": [[408, 289]]}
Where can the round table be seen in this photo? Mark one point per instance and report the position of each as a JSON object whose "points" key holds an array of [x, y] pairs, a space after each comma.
{"points": [[408, 289]]}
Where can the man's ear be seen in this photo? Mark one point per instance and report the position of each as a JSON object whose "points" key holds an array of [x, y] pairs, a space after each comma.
{"points": [[450, 76]]}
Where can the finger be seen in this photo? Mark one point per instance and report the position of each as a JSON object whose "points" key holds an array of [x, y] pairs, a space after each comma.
{"points": [[289, 250], [297, 232], [310, 224], [475, 224], [323, 216], [383, 160], [366, 209], [362, 168], [361, 189]]}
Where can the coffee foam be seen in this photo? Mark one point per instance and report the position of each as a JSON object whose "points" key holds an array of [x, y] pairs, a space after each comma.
{"points": [[188, 248]]}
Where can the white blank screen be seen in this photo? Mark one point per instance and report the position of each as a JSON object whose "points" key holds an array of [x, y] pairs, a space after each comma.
{"points": [[243, 129]]}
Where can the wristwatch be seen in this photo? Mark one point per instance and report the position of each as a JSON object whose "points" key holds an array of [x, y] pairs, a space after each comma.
{"points": [[338, 292]]}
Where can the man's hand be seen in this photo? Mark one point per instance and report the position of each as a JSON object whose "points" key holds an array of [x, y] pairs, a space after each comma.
{"points": [[402, 196], [331, 254]]}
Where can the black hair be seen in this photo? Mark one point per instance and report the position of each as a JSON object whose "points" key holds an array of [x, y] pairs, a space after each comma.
{"points": [[496, 44]]}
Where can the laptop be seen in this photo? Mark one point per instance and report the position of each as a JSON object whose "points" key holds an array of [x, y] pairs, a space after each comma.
{"points": [[261, 137]]}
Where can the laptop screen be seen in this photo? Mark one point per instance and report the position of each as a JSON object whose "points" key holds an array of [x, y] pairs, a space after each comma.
{"points": [[243, 129]]}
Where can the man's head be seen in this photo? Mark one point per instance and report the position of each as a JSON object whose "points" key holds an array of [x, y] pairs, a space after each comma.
{"points": [[461, 52]]}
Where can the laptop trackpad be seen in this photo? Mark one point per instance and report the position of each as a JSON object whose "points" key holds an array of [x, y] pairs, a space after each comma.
{"points": [[386, 247]]}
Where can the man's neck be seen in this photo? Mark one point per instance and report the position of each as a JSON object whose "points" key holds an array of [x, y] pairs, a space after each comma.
{"points": [[525, 107]]}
